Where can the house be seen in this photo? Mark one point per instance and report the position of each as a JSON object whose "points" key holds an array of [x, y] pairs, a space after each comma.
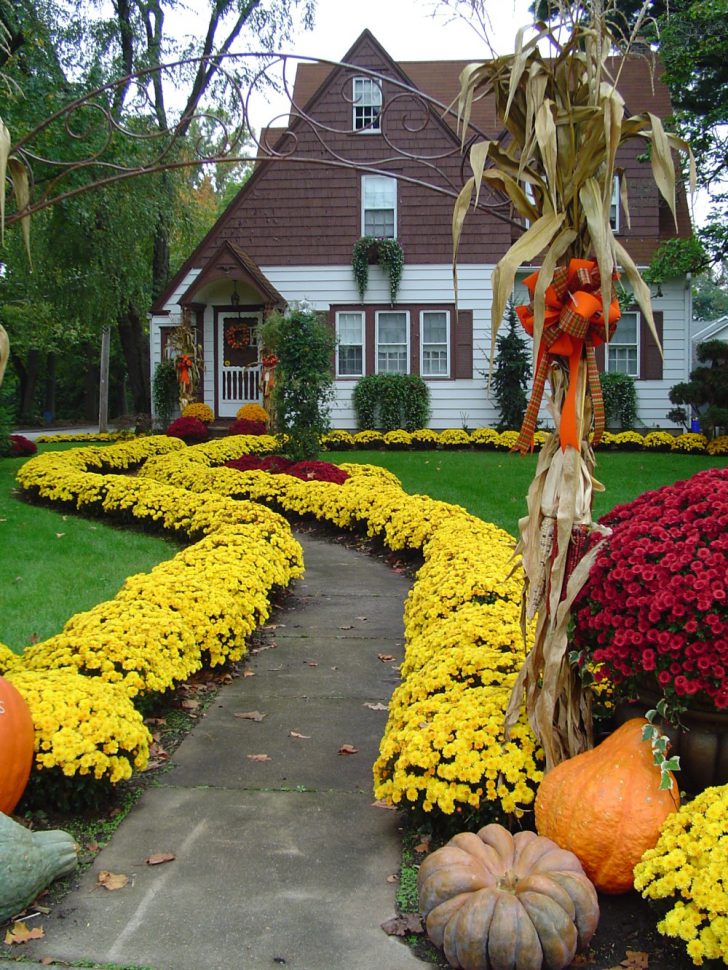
{"points": [[364, 154], [702, 332]]}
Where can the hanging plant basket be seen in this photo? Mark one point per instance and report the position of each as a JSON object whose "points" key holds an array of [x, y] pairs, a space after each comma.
{"points": [[368, 251]]}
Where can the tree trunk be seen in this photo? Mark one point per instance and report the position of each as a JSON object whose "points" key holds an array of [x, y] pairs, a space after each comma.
{"points": [[90, 382], [135, 346], [28, 374], [49, 403]]}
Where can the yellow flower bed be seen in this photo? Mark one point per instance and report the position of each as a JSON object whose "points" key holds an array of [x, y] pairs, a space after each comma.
{"points": [[199, 606], [718, 446], [83, 725], [689, 865], [443, 747], [252, 412], [691, 443], [463, 597], [203, 412], [85, 436]]}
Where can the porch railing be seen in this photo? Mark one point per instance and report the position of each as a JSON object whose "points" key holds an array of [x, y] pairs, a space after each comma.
{"points": [[241, 383]]}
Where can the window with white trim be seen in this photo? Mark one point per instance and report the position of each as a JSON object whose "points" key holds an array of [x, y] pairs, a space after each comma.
{"points": [[379, 206], [623, 350], [435, 343], [350, 348], [614, 208], [367, 104], [392, 338]]}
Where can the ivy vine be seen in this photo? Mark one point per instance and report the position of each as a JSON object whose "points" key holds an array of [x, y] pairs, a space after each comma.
{"points": [[389, 256]]}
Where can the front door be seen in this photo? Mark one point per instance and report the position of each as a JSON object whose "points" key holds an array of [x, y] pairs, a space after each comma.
{"points": [[239, 362]]}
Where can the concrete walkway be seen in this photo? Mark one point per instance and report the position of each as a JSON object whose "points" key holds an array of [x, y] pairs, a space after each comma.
{"points": [[280, 860]]}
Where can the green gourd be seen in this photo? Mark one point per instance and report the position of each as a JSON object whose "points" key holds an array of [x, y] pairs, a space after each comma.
{"points": [[30, 861]]}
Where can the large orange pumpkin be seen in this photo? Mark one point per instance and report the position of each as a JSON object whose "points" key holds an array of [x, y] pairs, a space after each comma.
{"points": [[17, 742], [606, 806]]}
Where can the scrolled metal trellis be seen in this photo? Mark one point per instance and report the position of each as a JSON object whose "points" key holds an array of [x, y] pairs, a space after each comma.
{"points": [[91, 122]]}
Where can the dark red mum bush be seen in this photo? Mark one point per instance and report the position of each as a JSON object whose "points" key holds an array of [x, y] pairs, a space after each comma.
{"points": [[246, 426], [318, 471], [655, 600], [20, 446], [247, 463], [191, 430]]}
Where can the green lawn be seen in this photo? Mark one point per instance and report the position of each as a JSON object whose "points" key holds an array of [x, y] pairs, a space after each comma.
{"points": [[493, 484], [53, 565]]}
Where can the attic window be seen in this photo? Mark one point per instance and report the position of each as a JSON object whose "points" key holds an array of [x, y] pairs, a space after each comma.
{"points": [[367, 102]]}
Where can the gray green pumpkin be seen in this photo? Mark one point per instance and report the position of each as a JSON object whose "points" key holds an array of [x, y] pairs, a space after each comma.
{"points": [[30, 861], [496, 901]]}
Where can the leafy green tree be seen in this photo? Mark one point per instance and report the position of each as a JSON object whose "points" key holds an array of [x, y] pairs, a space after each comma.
{"points": [[707, 389], [710, 294], [304, 344], [60, 49], [511, 373]]}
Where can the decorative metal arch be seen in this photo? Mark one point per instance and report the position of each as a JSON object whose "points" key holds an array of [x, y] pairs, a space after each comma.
{"points": [[90, 125]]}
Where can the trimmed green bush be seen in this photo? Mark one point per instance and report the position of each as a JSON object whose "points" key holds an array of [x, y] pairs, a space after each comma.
{"points": [[620, 400], [390, 402]]}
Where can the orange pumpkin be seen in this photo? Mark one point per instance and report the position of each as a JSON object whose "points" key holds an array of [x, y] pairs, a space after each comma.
{"points": [[496, 901], [17, 742], [606, 806]]}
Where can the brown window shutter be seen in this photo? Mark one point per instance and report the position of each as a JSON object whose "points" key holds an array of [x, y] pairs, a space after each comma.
{"points": [[414, 323], [371, 350], [331, 320], [599, 353], [650, 358], [463, 344]]}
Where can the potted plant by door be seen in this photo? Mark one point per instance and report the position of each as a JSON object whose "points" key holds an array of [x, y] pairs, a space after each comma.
{"points": [[387, 253]]}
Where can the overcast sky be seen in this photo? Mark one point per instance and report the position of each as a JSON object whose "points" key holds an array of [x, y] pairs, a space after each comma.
{"points": [[407, 29]]}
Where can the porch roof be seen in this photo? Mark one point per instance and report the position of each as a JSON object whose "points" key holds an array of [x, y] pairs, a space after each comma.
{"points": [[232, 263]]}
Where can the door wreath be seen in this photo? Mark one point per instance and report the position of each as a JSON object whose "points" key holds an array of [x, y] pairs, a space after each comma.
{"points": [[238, 336]]}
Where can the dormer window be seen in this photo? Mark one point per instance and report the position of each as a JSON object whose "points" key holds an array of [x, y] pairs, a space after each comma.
{"points": [[367, 104]]}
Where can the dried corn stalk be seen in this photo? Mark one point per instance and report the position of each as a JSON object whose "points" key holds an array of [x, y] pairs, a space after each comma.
{"points": [[565, 121]]}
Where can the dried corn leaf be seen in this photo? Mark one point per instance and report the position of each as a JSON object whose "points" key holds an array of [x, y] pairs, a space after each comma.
{"points": [[21, 188], [663, 170], [536, 238], [640, 289], [5, 144]]}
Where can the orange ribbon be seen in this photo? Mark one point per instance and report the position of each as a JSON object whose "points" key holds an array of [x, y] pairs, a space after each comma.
{"points": [[574, 324], [184, 363]]}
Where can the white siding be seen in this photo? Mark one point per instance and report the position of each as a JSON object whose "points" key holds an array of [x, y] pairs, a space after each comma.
{"points": [[454, 403]]}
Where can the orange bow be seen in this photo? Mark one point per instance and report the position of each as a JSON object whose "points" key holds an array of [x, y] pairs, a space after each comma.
{"points": [[574, 322], [184, 363]]}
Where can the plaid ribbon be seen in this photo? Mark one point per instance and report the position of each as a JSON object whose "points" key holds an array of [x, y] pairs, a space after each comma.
{"points": [[575, 324]]}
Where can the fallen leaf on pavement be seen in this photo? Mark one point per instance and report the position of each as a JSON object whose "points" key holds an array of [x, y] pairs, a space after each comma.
{"points": [[381, 803], [248, 673], [250, 715], [311, 663], [111, 880], [393, 878], [20, 933], [347, 626], [295, 734], [348, 749], [423, 845], [189, 704], [376, 707], [402, 925], [385, 657], [159, 857], [258, 757], [361, 618]]}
